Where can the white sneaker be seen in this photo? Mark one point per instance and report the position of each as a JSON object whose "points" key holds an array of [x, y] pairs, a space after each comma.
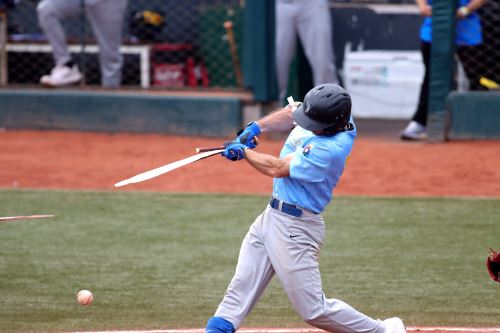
{"points": [[414, 131], [394, 325], [61, 76]]}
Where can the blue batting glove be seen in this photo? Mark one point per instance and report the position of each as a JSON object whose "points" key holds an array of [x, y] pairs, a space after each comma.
{"points": [[248, 136], [234, 151]]}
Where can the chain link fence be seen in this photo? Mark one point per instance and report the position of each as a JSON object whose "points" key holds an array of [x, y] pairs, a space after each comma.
{"points": [[171, 44], [166, 44], [479, 66]]}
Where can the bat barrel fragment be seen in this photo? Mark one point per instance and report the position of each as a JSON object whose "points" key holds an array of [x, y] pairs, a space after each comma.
{"points": [[167, 168], [24, 217]]}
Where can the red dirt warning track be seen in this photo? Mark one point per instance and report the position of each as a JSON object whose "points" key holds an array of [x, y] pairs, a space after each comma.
{"points": [[76, 160]]}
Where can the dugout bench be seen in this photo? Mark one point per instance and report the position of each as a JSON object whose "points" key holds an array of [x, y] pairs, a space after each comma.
{"points": [[151, 72]]}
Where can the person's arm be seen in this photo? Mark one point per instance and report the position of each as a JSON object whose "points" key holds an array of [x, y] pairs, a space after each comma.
{"points": [[423, 6], [472, 6], [269, 165], [280, 120]]}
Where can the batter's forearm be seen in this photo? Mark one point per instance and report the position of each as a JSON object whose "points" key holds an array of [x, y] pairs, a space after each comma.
{"points": [[277, 121], [268, 164]]}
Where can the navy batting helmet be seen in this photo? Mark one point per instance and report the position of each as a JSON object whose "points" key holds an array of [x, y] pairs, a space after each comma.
{"points": [[325, 107]]}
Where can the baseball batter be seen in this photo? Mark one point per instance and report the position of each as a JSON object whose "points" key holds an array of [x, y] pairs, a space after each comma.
{"points": [[286, 238]]}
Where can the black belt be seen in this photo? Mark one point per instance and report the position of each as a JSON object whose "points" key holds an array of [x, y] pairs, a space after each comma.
{"points": [[285, 207]]}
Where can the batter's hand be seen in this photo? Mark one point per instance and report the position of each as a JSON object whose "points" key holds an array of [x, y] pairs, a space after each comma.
{"points": [[234, 150], [248, 135]]}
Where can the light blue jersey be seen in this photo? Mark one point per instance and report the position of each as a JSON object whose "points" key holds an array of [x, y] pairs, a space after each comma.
{"points": [[315, 169]]}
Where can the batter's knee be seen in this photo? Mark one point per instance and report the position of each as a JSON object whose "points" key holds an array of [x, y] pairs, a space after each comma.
{"points": [[311, 314], [219, 325]]}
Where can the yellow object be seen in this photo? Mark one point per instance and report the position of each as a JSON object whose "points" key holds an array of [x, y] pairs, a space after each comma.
{"points": [[490, 84], [152, 17]]}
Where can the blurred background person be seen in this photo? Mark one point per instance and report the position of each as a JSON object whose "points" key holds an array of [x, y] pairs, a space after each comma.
{"points": [[468, 37], [311, 21], [105, 17]]}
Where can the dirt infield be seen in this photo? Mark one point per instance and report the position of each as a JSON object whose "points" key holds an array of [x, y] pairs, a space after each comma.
{"points": [[76, 160]]}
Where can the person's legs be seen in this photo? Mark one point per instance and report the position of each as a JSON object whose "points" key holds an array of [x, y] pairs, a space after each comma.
{"points": [[253, 274], [286, 40], [315, 30], [416, 129], [467, 56], [106, 18], [50, 14], [293, 246], [420, 115]]}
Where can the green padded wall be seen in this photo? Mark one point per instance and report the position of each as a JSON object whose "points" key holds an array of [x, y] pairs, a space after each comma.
{"points": [[473, 115], [119, 112]]}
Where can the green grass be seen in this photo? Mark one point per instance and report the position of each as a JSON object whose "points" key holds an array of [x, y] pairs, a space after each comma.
{"points": [[157, 261]]}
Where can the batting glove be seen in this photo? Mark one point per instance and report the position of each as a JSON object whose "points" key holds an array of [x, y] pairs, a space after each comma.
{"points": [[248, 136], [234, 151]]}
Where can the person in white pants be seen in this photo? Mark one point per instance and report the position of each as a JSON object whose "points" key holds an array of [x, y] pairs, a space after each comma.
{"points": [[286, 239], [311, 20], [106, 18]]}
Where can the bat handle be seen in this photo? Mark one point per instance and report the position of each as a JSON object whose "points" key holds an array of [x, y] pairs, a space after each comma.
{"points": [[291, 102], [205, 149]]}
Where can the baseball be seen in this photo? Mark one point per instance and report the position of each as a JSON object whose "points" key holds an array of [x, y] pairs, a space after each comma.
{"points": [[84, 297]]}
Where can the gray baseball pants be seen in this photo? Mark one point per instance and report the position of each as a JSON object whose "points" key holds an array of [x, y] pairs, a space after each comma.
{"points": [[311, 20], [106, 18], [289, 247]]}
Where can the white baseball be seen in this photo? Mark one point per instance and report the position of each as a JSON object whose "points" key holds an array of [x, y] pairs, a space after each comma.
{"points": [[85, 297]]}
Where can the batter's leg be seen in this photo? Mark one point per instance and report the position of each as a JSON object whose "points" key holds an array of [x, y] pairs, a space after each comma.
{"points": [[315, 32], [295, 260], [253, 274]]}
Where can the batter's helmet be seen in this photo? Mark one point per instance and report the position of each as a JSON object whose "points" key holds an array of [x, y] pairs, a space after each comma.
{"points": [[325, 107]]}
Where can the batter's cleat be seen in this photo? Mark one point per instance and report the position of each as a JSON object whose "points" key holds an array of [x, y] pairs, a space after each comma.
{"points": [[414, 131], [394, 325], [219, 325], [62, 76]]}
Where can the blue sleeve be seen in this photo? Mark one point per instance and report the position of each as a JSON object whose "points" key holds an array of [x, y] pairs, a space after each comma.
{"points": [[311, 164]]}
